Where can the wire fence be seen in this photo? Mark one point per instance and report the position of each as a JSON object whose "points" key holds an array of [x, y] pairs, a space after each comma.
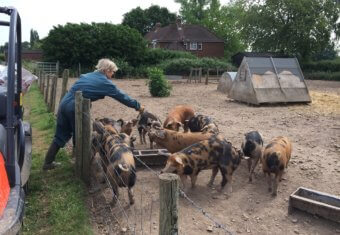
{"points": [[143, 197]]}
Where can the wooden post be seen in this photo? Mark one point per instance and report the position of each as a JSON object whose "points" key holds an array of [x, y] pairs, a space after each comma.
{"points": [[200, 75], [55, 85], [42, 87], [168, 200], [78, 131], [64, 85], [86, 141], [47, 88], [190, 76], [50, 99], [57, 68], [207, 77]]}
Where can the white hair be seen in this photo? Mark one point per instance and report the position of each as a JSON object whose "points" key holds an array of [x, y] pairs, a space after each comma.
{"points": [[106, 65]]}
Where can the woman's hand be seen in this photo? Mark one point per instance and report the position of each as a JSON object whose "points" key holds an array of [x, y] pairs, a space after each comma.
{"points": [[141, 109]]}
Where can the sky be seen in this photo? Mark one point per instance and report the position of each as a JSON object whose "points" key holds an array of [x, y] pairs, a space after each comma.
{"points": [[42, 15]]}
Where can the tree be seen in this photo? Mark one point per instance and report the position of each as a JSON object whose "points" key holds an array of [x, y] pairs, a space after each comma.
{"points": [[297, 27], [34, 38], [145, 20], [224, 21], [86, 43], [193, 11]]}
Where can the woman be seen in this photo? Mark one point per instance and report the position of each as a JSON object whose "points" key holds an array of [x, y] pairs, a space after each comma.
{"points": [[94, 86]]}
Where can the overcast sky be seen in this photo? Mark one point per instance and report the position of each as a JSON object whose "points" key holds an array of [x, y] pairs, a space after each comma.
{"points": [[42, 15]]}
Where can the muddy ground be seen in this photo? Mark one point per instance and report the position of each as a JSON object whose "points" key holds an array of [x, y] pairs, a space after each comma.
{"points": [[314, 130]]}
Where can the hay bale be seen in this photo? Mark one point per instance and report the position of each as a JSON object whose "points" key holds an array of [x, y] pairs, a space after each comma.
{"points": [[226, 81]]}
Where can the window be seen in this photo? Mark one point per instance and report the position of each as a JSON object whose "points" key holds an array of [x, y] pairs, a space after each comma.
{"points": [[193, 46], [199, 46]]}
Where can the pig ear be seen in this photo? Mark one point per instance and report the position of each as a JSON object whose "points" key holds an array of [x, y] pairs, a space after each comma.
{"points": [[118, 125], [204, 129], [133, 121], [179, 160], [169, 124], [160, 134]]}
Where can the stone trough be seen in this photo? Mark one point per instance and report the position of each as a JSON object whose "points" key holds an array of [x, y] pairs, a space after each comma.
{"points": [[316, 203]]}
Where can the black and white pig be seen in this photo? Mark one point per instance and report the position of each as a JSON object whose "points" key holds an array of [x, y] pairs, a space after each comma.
{"points": [[252, 149]]}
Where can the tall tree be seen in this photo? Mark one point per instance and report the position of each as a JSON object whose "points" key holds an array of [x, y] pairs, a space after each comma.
{"points": [[145, 20], [296, 27], [224, 21], [193, 11], [34, 37]]}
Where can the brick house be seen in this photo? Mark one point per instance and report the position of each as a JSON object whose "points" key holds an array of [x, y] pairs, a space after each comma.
{"points": [[36, 55], [184, 37]]}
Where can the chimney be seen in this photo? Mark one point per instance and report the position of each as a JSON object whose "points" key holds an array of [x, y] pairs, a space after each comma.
{"points": [[157, 26], [179, 23]]}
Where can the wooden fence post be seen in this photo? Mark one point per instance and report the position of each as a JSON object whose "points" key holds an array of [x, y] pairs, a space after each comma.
{"points": [[78, 131], [200, 75], [207, 77], [50, 98], [43, 83], [168, 200], [86, 141], [47, 88], [54, 93], [64, 85]]}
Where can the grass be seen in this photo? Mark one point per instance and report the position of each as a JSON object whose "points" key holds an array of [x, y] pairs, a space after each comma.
{"points": [[55, 203]]}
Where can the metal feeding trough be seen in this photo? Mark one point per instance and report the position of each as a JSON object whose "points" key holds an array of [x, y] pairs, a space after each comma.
{"points": [[316, 203], [151, 157]]}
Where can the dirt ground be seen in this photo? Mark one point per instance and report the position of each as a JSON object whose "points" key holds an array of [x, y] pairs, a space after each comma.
{"points": [[314, 130]]}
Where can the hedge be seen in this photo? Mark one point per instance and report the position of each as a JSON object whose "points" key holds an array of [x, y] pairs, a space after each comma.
{"points": [[182, 66], [335, 76], [323, 65], [157, 55]]}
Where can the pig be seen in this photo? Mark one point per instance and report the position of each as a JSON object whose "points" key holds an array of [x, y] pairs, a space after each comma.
{"points": [[177, 117], [120, 126], [116, 157], [252, 149], [275, 158], [201, 123], [175, 141], [125, 127], [145, 120], [215, 153]]}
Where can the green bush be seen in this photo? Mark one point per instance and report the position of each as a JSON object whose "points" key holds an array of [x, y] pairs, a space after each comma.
{"points": [[322, 65], [2, 57], [158, 85], [157, 55], [334, 76], [182, 66], [124, 69]]}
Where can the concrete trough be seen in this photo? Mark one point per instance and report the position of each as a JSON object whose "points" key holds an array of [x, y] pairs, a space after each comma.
{"points": [[315, 202], [151, 157]]}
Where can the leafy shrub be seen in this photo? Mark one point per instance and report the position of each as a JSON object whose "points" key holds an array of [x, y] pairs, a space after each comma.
{"points": [[322, 65], [157, 55], [124, 69], [2, 57], [158, 85], [333, 76], [182, 66]]}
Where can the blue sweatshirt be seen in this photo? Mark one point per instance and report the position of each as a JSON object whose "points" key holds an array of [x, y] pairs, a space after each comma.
{"points": [[95, 86]]}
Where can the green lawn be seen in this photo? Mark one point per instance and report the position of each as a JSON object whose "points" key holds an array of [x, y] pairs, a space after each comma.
{"points": [[56, 200]]}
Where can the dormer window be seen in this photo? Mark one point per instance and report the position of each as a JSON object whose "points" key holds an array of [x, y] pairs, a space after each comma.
{"points": [[193, 46]]}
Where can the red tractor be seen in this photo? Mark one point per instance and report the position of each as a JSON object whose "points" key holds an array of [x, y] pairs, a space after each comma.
{"points": [[15, 134]]}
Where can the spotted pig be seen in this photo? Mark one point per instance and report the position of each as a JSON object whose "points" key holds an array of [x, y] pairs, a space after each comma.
{"points": [[201, 123], [215, 153], [275, 159], [145, 120], [116, 157]]}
